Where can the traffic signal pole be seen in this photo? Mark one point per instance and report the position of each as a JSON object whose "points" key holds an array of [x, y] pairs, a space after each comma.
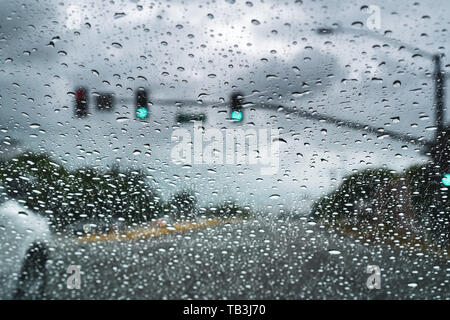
{"points": [[439, 95], [439, 147]]}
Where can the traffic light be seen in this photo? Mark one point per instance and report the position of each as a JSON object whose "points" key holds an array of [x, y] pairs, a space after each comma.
{"points": [[142, 108], [187, 117], [236, 111], [446, 180], [105, 102], [81, 103]]}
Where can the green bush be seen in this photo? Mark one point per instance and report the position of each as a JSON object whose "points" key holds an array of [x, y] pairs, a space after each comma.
{"points": [[356, 188], [68, 196], [228, 209], [429, 199]]}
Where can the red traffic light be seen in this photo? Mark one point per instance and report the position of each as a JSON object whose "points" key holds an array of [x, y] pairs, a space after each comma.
{"points": [[81, 103], [80, 94]]}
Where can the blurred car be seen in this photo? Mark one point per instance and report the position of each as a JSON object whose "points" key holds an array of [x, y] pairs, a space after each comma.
{"points": [[160, 223], [81, 228], [24, 239]]}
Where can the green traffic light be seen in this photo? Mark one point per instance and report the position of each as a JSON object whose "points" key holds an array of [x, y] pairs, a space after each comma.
{"points": [[237, 115], [446, 180], [141, 112]]}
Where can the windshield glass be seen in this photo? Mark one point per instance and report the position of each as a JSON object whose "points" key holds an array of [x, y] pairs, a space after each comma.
{"points": [[224, 150]]}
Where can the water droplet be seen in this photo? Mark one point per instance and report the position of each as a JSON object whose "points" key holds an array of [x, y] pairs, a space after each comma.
{"points": [[334, 252], [118, 15], [357, 24], [35, 125], [122, 119]]}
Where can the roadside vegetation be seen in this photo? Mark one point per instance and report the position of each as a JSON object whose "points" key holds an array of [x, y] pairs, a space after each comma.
{"points": [[407, 210], [109, 195]]}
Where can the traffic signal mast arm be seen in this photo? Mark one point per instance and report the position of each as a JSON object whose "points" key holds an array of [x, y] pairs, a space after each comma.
{"points": [[312, 115], [438, 148], [407, 138]]}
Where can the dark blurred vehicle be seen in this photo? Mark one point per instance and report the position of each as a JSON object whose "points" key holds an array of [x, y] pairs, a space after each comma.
{"points": [[24, 238]]}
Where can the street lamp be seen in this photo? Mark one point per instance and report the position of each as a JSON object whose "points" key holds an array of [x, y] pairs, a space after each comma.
{"points": [[438, 148]]}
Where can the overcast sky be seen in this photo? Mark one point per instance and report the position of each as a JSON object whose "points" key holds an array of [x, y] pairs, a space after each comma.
{"points": [[205, 50]]}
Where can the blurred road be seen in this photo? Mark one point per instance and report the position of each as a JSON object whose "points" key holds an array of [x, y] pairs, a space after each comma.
{"points": [[260, 259]]}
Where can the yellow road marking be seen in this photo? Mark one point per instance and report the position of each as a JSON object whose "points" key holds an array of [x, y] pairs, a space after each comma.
{"points": [[145, 233]]}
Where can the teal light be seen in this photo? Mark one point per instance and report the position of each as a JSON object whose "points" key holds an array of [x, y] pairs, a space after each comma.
{"points": [[446, 180], [141, 112], [237, 115]]}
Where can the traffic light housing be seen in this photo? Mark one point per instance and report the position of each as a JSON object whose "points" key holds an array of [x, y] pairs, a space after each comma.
{"points": [[81, 103], [142, 107], [236, 110], [105, 102]]}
